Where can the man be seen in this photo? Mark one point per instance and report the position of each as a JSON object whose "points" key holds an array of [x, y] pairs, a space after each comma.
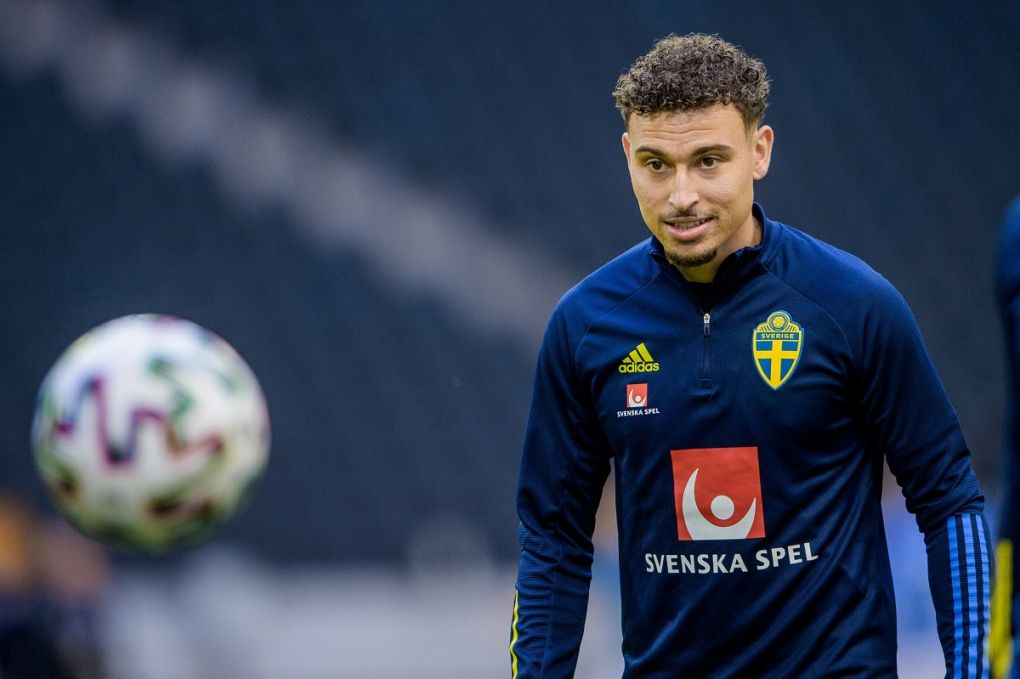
{"points": [[1004, 609], [747, 381]]}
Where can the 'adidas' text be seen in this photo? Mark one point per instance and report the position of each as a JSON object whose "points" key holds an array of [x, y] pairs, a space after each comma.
{"points": [[638, 368]]}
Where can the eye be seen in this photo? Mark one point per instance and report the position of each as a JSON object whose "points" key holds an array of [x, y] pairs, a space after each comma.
{"points": [[709, 162], [655, 165]]}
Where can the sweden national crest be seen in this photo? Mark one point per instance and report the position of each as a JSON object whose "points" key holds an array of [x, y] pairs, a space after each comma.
{"points": [[777, 344]]}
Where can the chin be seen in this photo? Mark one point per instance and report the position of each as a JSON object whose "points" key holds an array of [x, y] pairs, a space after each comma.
{"points": [[689, 259]]}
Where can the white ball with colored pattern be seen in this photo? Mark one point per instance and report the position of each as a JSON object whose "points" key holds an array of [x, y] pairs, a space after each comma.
{"points": [[150, 432]]}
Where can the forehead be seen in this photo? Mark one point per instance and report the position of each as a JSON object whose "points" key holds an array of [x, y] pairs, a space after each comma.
{"points": [[718, 124]]}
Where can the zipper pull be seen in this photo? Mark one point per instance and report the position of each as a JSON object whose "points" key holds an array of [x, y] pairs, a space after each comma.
{"points": [[708, 320]]}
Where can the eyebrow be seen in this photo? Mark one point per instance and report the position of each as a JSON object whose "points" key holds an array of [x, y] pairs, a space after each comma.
{"points": [[714, 148]]}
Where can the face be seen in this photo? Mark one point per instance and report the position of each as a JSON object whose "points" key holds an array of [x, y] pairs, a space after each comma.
{"points": [[693, 175]]}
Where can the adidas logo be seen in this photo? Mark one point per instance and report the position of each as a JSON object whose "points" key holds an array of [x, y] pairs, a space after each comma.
{"points": [[638, 361]]}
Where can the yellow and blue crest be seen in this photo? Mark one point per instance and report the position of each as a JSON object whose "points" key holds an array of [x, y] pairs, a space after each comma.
{"points": [[777, 344]]}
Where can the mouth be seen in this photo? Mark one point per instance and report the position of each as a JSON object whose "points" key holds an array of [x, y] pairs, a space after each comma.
{"points": [[686, 228]]}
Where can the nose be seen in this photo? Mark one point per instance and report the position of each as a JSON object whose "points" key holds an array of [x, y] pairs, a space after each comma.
{"points": [[682, 195]]}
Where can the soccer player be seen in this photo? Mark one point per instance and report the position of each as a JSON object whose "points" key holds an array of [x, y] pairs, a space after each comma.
{"points": [[1004, 609], [747, 381]]}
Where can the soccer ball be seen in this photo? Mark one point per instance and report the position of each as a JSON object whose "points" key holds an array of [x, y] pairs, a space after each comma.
{"points": [[149, 432]]}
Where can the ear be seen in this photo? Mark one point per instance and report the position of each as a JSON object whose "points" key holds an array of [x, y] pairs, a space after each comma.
{"points": [[626, 145], [762, 149]]}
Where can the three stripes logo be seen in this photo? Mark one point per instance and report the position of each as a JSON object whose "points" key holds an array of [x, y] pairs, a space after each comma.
{"points": [[969, 572], [639, 360]]}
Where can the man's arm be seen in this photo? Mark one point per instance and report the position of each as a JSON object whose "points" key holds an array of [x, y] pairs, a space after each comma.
{"points": [[909, 416], [564, 465]]}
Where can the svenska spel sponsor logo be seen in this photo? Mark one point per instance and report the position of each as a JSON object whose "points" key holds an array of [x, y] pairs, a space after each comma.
{"points": [[639, 360], [637, 395], [717, 494], [637, 401]]}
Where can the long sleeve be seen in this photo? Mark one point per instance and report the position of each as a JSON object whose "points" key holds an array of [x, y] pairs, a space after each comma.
{"points": [[911, 420], [564, 465]]}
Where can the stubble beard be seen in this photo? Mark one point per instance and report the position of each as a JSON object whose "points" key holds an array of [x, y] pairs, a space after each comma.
{"points": [[688, 260], [681, 261]]}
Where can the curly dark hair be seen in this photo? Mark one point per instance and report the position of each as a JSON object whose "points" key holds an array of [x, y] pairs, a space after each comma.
{"points": [[694, 71]]}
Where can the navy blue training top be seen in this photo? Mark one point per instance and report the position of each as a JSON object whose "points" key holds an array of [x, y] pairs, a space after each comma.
{"points": [[747, 425]]}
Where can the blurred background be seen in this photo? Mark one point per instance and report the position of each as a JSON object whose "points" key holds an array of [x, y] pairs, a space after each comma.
{"points": [[378, 204]]}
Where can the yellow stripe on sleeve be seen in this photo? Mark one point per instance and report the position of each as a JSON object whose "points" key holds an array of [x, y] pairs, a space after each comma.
{"points": [[1000, 637], [513, 635]]}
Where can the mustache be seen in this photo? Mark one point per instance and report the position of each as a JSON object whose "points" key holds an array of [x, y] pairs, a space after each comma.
{"points": [[686, 215]]}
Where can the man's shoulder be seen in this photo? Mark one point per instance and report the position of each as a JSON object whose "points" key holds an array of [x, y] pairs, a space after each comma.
{"points": [[849, 291], [829, 275], [610, 285], [600, 293]]}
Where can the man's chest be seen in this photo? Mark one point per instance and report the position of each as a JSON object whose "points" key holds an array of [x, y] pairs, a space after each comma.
{"points": [[759, 366]]}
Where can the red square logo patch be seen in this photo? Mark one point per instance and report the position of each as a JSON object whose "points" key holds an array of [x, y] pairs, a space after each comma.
{"points": [[717, 492], [637, 395]]}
